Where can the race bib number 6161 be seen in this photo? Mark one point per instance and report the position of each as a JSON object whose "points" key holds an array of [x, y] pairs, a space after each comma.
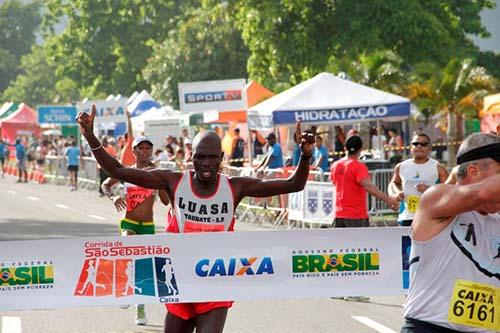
{"points": [[475, 304]]}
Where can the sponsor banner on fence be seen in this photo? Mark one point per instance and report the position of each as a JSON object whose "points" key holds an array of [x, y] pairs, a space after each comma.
{"points": [[56, 114], [112, 110], [172, 268], [223, 95], [314, 204]]}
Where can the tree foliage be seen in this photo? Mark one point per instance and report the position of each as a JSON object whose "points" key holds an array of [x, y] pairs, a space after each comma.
{"points": [[18, 24], [205, 45], [38, 84], [106, 43], [291, 40]]}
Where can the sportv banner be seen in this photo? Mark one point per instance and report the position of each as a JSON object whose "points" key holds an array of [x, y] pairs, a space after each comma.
{"points": [[223, 95], [173, 268]]}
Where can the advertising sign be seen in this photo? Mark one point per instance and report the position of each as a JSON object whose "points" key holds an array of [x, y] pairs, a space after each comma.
{"points": [[57, 114], [108, 111], [172, 268], [223, 95], [158, 130], [314, 204]]}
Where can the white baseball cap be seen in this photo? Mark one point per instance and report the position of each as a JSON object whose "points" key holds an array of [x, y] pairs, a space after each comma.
{"points": [[141, 139]]}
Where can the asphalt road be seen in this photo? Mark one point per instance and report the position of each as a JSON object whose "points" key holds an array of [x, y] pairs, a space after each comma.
{"points": [[31, 211]]}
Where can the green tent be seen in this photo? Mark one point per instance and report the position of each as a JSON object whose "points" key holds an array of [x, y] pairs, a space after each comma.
{"points": [[7, 109]]}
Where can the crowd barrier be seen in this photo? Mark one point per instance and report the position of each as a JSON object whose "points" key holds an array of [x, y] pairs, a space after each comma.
{"points": [[274, 210]]}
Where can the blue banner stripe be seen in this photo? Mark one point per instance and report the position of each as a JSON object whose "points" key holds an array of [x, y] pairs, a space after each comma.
{"points": [[353, 114], [57, 114]]}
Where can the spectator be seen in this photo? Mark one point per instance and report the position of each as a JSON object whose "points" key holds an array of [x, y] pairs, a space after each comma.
{"points": [[166, 155], [189, 150], [172, 142], [274, 157], [186, 138], [377, 143], [351, 180], [258, 143], [395, 145], [21, 161], [74, 159], [237, 150], [339, 142], [2, 154], [178, 159], [320, 155]]}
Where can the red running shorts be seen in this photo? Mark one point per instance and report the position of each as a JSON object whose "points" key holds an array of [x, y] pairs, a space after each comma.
{"points": [[187, 311]]}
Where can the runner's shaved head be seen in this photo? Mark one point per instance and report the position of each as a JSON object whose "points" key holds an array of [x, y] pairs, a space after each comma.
{"points": [[208, 137]]}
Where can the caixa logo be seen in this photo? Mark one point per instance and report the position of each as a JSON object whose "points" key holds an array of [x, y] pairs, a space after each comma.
{"points": [[234, 266]]}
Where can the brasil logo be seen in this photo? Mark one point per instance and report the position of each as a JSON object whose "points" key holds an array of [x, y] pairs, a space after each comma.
{"points": [[152, 276], [335, 262], [27, 275]]}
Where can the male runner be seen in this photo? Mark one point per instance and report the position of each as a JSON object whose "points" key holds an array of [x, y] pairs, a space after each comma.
{"points": [[414, 176], [202, 186], [454, 276], [138, 204]]}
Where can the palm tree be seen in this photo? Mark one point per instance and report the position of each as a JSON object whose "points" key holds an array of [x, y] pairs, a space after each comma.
{"points": [[452, 91]]}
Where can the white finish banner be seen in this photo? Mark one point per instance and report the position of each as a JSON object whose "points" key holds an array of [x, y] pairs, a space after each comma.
{"points": [[172, 268], [222, 95]]}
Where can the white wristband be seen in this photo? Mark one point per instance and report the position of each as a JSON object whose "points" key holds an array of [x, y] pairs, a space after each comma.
{"points": [[96, 148]]}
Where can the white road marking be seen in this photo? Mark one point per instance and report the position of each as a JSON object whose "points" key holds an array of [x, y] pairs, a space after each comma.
{"points": [[373, 324], [11, 324], [33, 198], [12, 192], [97, 217], [62, 206]]}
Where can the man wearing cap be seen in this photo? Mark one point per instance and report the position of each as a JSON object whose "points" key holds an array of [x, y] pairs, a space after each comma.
{"points": [[274, 157], [454, 259], [202, 187], [138, 206], [414, 176], [351, 180]]}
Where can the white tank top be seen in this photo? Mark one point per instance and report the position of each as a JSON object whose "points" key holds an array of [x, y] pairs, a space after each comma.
{"points": [[411, 175], [468, 249], [195, 213]]}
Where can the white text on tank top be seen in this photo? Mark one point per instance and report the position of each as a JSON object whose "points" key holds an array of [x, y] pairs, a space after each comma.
{"points": [[468, 249], [136, 195], [204, 214], [411, 175]]}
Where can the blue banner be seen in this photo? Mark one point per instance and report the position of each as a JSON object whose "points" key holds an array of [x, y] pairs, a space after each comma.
{"points": [[351, 114], [55, 114]]}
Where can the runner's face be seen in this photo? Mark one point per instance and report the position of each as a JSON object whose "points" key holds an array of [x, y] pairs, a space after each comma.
{"points": [[143, 152], [420, 147], [207, 157]]}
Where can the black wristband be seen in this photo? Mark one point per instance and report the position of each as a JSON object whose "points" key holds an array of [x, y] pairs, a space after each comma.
{"points": [[305, 157]]}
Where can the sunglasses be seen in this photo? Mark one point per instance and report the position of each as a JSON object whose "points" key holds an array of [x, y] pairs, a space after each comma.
{"points": [[422, 144]]}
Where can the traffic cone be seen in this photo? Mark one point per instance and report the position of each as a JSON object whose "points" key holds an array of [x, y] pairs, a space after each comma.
{"points": [[40, 178]]}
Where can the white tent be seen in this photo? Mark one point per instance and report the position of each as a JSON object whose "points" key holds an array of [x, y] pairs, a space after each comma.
{"points": [[142, 103], [162, 113], [327, 99]]}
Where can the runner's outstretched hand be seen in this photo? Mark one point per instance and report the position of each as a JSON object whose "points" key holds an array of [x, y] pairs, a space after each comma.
{"points": [[119, 203], [86, 121], [307, 140]]}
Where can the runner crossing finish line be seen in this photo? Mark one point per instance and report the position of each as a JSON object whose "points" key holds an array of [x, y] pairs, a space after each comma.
{"points": [[190, 191]]}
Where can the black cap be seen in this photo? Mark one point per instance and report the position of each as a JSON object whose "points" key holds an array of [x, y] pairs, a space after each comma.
{"points": [[353, 143], [271, 136]]}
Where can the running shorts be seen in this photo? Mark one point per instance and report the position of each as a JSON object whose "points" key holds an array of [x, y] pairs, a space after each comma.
{"points": [[73, 168], [139, 228], [187, 311]]}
